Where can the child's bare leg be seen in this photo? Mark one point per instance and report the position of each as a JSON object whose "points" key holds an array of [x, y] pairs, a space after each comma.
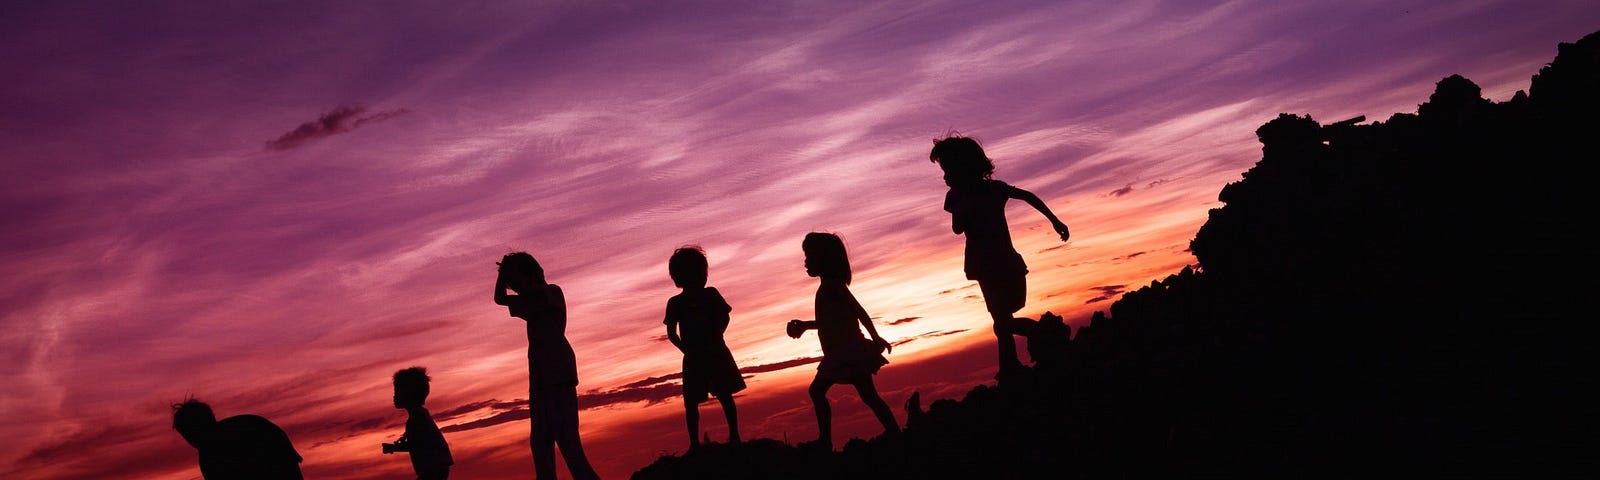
{"points": [[565, 420], [691, 415], [572, 451], [869, 394], [1004, 296], [732, 412], [819, 401], [542, 440], [1003, 331]]}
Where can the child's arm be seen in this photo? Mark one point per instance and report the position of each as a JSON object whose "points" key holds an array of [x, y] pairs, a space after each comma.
{"points": [[500, 296], [866, 321], [672, 331], [557, 299], [720, 310], [797, 327], [957, 220], [1031, 199], [402, 444]]}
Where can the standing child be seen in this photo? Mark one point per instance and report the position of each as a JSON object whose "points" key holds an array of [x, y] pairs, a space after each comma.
{"points": [[847, 357], [977, 206], [430, 455], [552, 366], [702, 315]]}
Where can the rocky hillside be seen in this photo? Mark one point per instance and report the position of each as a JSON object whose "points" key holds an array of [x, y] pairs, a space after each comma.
{"points": [[1392, 297]]}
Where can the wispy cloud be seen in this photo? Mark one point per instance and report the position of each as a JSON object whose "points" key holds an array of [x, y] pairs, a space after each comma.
{"points": [[339, 120], [154, 260], [932, 334], [1107, 292]]}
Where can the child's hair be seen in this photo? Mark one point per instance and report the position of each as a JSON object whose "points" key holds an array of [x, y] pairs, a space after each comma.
{"points": [[414, 379], [961, 157], [191, 413], [827, 254], [522, 262], [688, 266]]}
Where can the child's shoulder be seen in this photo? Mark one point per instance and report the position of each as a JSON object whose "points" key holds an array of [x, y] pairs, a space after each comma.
{"points": [[697, 294], [690, 292], [977, 186]]}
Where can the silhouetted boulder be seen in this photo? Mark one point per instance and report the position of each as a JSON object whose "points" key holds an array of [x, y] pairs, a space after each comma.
{"points": [[1379, 298]]}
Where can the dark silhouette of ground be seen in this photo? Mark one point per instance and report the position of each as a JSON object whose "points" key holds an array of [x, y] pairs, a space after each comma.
{"points": [[1384, 299]]}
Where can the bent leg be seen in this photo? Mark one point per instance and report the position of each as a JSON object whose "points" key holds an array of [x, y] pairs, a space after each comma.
{"points": [[1007, 343], [819, 401], [869, 394], [1004, 297]]}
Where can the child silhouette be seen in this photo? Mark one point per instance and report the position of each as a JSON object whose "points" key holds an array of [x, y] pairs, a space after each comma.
{"points": [[977, 206], [240, 446], [552, 366], [430, 455], [847, 357], [702, 315]]}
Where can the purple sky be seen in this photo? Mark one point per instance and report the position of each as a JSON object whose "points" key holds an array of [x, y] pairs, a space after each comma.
{"points": [[273, 207]]}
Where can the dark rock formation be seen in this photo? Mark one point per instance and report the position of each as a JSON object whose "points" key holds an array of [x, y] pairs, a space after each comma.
{"points": [[1390, 299]]}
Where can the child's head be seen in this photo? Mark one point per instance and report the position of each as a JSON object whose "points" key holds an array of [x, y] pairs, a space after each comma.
{"points": [[825, 256], [688, 267], [410, 387], [521, 271], [193, 420], [962, 159]]}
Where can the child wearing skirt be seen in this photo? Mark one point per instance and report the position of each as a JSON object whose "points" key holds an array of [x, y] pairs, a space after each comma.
{"points": [[847, 356]]}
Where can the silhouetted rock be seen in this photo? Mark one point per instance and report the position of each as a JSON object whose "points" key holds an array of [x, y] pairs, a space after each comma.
{"points": [[1372, 299]]}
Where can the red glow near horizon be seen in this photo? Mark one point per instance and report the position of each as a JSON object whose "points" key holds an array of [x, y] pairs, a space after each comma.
{"points": [[273, 211]]}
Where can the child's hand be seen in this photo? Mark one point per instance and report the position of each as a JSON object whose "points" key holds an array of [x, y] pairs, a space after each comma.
{"points": [[795, 328], [884, 343]]}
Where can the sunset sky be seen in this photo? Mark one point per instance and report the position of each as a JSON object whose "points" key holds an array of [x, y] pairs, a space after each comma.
{"points": [[273, 207]]}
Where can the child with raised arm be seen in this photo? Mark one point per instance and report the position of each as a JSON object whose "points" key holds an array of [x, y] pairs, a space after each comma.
{"points": [[552, 366], [977, 206], [430, 455], [701, 315], [847, 356]]}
